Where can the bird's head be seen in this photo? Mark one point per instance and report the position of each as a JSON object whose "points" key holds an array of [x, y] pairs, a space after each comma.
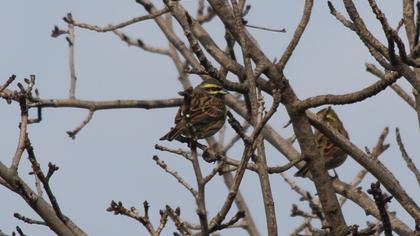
{"points": [[328, 115], [212, 87]]}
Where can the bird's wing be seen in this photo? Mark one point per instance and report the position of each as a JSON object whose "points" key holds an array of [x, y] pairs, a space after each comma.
{"points": [[207, 109]]}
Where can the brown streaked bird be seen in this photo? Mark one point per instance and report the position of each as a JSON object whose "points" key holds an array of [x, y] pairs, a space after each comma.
{"points": [[206, 114], [334, 156]]}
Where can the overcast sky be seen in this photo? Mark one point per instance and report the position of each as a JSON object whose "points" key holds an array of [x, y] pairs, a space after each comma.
{"points": [[111, 158]]}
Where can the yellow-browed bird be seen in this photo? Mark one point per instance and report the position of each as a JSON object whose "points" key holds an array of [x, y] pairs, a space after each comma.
{"points": [[334, 156], [206, 113]]}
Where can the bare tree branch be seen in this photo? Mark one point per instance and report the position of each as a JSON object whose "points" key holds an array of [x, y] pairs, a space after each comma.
{"points": [[381, 202], [72, 134], [349, 98], [376, 168], [22, 134], [405, 96], [410, 164], [140, 43], [102, 105], [307, 10], [379, 148], [163, 165], [29, 220], [119, 25]]}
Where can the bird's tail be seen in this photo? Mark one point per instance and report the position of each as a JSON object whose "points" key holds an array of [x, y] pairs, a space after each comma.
{"points": [[171, 135]]}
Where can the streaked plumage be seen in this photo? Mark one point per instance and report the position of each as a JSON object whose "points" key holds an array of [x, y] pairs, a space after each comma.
{"points": [[333, 155], [206, 115]]}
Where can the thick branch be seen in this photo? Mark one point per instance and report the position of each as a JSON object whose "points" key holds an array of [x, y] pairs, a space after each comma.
{"points": [[397, 89], [102, 105], [22, 134], [375, 168], [349, 98]]}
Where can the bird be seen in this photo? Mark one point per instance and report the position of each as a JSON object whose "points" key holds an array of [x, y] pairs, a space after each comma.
{"points": [[334, 156], [203, 115]]}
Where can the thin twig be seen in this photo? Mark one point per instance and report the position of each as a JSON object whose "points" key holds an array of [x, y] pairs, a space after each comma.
{"points": [[141, 44], [302, 192], [119, 209], [180, 152], [20, 231], [29, 220], [163, 220], [260, 125], [234, 139], [119, 25], [71, 40], [175, 174], [200, 197], [266, 29], [410, 164], [283, 168], [7, 83], [381, 202], [180, 224], [397, 89], [44, 179], [38, 184], [297, 35], [72, 133], [298, 212], [214, 171], [239, 215]]}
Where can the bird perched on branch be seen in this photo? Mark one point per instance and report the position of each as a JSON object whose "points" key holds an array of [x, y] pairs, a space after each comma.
{"points": [[334, 156], [202, 114]]}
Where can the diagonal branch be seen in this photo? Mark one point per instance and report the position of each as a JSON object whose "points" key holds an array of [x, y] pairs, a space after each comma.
{"points": [[379, 148], [381, 200], [119, 25], [184, 183], [297, 35], [397, 89], [410, 164], [376, 168], [350, 98], [44, 179], [141, 44], [22, 134], [28, 220]]}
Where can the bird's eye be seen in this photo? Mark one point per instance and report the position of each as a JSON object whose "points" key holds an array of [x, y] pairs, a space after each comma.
{"points": [[213, 89]]}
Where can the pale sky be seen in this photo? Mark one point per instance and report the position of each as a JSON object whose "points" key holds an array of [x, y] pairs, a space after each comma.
{"points": [[111, 158]]}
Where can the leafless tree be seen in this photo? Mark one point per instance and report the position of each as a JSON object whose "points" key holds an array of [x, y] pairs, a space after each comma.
{"points": [[260, 81]]}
